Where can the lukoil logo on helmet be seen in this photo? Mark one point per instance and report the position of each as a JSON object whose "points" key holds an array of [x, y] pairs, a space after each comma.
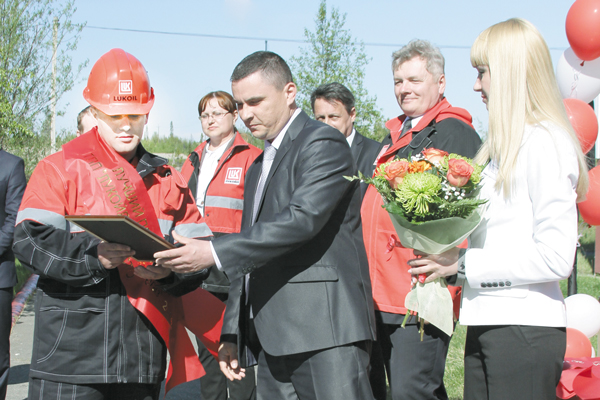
{"points": [[125, 87]]}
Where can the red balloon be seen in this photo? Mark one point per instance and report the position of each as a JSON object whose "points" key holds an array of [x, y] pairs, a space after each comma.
{"points": [[583, 29], [590, 208], [584, 121], [578, 345]]}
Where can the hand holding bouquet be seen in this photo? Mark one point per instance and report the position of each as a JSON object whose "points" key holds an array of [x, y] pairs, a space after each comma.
{"points": [[432, 200]]}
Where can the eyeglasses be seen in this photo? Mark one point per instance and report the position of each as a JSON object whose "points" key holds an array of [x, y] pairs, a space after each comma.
{"points": [[217, 115]]}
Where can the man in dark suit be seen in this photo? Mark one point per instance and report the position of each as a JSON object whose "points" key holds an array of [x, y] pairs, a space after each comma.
{"points": [[333, 104], [12, 186], [298, 268]]}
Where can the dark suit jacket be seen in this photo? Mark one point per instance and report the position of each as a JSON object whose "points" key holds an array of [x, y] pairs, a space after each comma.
{"points": [[364, 152], [12, 186], [309, 278]]}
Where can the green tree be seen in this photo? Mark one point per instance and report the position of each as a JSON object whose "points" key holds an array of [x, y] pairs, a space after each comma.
{"points": [[174, 148], [332, 55], [26, 47]]}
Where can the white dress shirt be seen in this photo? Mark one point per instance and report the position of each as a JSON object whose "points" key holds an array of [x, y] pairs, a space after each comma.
{"points": [[414, 121], [526, 244], [208, 166]]}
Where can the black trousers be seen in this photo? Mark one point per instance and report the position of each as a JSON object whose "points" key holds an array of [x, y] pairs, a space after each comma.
{"points": [[6, 296], [41, 389], [214, 385], [378, 364], [415, 368], [337, 373], [513, 362]]}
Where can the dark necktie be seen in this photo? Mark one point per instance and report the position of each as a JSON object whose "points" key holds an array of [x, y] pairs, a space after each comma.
{"points": [[406, 127], [268, 157]]}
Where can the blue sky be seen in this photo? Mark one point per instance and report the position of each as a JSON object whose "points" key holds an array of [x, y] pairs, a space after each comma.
{"points": [[182, 68]]}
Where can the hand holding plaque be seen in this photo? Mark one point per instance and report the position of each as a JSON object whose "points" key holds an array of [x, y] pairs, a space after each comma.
{"points": [[125, 231]]}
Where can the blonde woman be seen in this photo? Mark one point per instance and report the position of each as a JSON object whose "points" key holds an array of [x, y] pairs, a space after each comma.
{"points": [[525, 245]]}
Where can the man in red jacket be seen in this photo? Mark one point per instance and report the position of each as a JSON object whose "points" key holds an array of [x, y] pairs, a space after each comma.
{"points": [[415, 368], [103, 323]]}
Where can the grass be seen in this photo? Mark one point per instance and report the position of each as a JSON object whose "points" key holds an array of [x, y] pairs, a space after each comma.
{"points": [[454, 374], [587, 283]]}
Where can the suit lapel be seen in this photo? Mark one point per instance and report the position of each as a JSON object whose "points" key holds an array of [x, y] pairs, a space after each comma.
{"points": [[357, 146], [250, 189]]}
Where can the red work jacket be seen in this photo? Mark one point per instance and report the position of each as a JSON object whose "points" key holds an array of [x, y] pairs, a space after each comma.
{"points": [[224, 198], [387, 260]]}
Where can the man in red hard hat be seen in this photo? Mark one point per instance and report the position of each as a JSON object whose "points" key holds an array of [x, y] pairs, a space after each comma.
{"points": [[102, 319]]}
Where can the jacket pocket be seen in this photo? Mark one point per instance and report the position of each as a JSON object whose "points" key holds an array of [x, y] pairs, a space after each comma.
{"points": [[316, 273], [70, 336]]}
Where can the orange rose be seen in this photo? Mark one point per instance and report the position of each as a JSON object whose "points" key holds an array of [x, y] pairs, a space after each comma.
{"points": [[395, 172], [459, 172], [418, 166], [434, 155]]}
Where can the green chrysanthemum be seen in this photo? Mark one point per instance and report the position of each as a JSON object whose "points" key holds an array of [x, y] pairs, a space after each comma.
{"points": [[417, 191]]}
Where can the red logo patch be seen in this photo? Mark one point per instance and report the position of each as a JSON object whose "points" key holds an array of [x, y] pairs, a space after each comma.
{"points": [[233, 176], [125, 87]]}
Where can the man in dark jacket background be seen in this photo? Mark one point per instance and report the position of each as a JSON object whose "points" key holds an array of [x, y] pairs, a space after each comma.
{"points": [[12, 186], [333, 103]]}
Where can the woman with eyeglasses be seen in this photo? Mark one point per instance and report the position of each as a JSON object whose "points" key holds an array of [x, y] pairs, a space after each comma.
{"points": [[512, 304], [215, 172]]}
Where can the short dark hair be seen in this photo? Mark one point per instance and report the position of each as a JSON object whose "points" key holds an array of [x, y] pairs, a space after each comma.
{"points": [[331, 92], [272, 66], [80, 117]]}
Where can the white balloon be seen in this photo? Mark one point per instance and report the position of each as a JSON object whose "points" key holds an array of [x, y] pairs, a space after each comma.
{"points": [[576, 81], [583, 314]]}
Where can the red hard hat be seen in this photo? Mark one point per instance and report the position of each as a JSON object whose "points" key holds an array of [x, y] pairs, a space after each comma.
{"points": [[119, 85]]}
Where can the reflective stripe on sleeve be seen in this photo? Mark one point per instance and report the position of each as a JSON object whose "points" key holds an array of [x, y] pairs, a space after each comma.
{"points": [[43, 217], [166, 226]]}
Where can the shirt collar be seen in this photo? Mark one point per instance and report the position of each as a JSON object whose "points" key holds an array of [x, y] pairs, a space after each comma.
{"points": [[414, 121], [350, 138], [218, 152]]}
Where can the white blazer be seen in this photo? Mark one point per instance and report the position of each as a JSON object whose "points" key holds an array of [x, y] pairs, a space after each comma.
{"points": [[526, 244]]}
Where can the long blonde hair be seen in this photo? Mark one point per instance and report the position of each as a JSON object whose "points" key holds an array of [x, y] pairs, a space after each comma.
{"points": [[523, 90]]}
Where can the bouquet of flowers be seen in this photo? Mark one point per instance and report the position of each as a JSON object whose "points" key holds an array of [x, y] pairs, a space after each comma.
{"points": [[432, 199]]}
